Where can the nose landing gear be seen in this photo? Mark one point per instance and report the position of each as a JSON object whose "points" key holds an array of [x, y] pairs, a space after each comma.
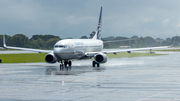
{"points": [[66, 62]]}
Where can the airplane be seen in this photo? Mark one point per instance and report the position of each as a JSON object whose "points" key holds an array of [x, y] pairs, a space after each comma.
{"points": [[70, 49]]}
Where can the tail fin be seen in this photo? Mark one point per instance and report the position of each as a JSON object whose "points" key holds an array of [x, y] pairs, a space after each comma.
{"points": [[98, 32]]}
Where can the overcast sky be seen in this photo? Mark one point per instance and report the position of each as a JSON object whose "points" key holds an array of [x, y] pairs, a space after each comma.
{"points": [[75, 18]]}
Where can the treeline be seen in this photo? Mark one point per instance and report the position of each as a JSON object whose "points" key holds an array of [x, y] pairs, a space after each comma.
{"points": [[138, 42], [48, 41], [37, 41]]}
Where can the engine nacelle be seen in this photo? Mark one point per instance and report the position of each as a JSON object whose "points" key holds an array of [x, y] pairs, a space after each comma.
{"points": [[50, 58], [100, 58]]}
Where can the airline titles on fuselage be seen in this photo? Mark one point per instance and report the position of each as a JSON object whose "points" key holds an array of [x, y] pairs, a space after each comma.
{"points": [[78, 43]]}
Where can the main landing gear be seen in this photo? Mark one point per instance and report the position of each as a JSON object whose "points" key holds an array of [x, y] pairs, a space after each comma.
{"points": [[66, 62], [94, 64]]}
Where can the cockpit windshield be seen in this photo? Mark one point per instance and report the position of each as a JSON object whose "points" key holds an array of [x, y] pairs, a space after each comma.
{"points": [[60, 46]]}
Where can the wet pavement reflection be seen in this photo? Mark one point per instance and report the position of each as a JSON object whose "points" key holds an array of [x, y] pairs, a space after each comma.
{"points": [[154, 78]]}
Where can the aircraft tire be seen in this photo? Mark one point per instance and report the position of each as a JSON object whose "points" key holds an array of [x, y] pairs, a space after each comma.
{"points": [[65, 63], [70, 63], [93, 63], [98, 64], [61, 65]]}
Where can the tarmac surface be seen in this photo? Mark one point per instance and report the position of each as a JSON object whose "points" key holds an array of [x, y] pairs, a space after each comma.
{"points": [[153, 78]]}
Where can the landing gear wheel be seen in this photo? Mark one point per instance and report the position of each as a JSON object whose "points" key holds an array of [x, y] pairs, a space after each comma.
{"points": [[98, 64], [93, 63], [70, 63], [65, 63], [61, 66]]}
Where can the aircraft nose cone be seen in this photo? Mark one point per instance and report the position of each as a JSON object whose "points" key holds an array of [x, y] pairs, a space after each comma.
{"points": [[57, 50]]}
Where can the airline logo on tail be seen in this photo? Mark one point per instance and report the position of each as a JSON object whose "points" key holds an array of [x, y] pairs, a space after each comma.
{"points": [[98, 32], [99, 26]]}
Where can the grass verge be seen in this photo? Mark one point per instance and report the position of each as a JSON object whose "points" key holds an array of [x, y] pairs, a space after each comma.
{"points": [[22, 58]]}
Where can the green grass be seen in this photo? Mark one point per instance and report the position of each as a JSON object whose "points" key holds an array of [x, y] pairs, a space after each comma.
{"points": [[39, 57], [22, 58]]}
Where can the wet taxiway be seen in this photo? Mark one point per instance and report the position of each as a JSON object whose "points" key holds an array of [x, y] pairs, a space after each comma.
{"points": [[154, 78]]}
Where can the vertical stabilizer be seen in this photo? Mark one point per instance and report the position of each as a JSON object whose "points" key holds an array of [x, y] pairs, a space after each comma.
{"points": [[98, 32]]}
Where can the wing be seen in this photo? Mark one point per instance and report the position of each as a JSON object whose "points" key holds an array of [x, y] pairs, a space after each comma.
{"points": [[27, 49], [136, 49], [117, 41], [91, 54]]}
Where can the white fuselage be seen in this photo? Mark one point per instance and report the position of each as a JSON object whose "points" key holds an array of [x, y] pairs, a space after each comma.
{"points": [[76, 48]]}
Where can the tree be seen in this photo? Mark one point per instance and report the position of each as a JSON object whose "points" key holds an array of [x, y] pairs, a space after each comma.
{"points": [[141, 42], [168, 39], [110, 38], [50, 43], [44, 37], [120, 38], [84, 37], [19, 40], [149, 41], [33, 44], [92, 34], [41, 43], [69, 38], [134, 37]]}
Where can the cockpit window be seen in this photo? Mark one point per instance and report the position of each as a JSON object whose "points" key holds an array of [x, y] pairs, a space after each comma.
{"points": [[60, 46]]}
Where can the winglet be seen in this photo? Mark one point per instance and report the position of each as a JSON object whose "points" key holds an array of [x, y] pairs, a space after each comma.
{"points": [[98, 32], [4, 41], [174, 41]]}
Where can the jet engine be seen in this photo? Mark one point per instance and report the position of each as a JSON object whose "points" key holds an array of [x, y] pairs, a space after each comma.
{"points": [[100, 58], [50, 58]]}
